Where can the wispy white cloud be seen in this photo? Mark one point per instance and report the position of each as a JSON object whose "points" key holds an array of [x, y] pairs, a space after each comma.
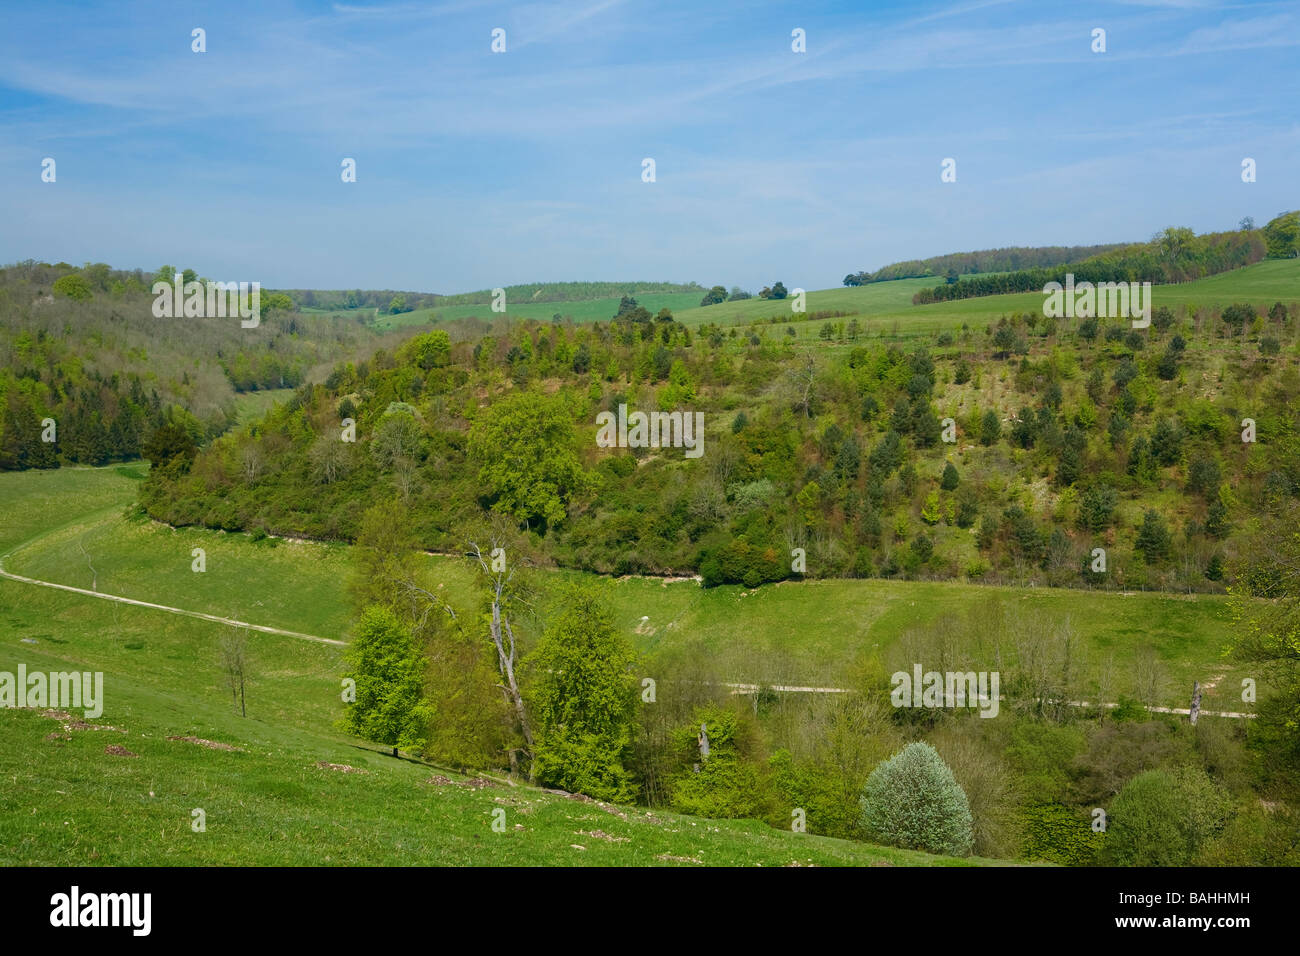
{"points": [[472, 164]]}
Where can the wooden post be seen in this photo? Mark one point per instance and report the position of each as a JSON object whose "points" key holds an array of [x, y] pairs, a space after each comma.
{"points": [[1196, 701]]}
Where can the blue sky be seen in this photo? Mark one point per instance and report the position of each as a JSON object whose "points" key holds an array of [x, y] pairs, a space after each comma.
{"points": [[478, 170]]}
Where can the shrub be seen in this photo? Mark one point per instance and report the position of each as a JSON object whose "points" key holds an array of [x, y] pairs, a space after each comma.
{"points": [[1153, 538], [1255, 837], [1203, 476], [950, 478], [1237, 316], [1097, 508], [1162, 818], [1167, 367], [923, 547], [990, 427], [73, 286], [913, 801], [739, 562], [815, 789]]}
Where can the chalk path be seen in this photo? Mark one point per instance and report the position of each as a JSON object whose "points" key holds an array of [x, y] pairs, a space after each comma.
{"points": [[172, 610]]}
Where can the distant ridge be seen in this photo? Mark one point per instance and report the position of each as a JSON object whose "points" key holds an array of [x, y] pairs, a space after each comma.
{"points": [[1008, 259], [569, 291]]}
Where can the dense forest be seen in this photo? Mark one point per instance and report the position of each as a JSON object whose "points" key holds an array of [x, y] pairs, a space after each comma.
{"points": [[384, 300], [1007, 453], [82, 348]]}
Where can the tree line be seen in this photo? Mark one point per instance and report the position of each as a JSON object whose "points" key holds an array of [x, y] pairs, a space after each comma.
{"points": [[1176, 255], [1009, 259]]}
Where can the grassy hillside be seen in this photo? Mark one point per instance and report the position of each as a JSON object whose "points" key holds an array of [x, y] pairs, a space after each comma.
{"points": [[751, 636], [886, 307], [269, 801], [276, 799]]}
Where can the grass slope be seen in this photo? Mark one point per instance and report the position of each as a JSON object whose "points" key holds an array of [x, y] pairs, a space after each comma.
{"points": [[67, 801], [250, 406]]}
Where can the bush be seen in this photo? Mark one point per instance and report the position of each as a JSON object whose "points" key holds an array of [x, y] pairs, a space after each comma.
{"points": [[913, 801], [950, 478], [814, 789], [1167, 367], [739, 562], [1153, 537], [1097, 508], [990, 428], [1203, 476], [1255, 837], [1162, 818], [1238, 316]]}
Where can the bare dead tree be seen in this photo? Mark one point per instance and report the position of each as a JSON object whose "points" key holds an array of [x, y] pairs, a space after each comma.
{"points": [[1146, 673], [422, 596], [503, 635], [234, 662], [803, 379], [1105, 685]]}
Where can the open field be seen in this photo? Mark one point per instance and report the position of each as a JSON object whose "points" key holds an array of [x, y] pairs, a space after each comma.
{"points": [[885, 308]]}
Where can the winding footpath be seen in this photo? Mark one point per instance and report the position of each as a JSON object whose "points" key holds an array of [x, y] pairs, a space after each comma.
{"points": [[170, 610]]}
